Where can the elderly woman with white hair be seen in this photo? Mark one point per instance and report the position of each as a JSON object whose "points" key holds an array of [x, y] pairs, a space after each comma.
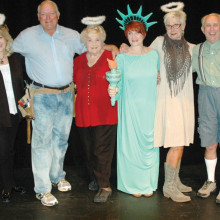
{"points": [[95, 118], [174, 121]]}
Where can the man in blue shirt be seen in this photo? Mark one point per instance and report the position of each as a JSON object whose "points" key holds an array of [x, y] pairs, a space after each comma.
{"points": [[49, 49], [208, 69]]}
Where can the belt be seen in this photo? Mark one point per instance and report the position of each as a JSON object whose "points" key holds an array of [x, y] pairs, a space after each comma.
{"points": [[49, 87]]}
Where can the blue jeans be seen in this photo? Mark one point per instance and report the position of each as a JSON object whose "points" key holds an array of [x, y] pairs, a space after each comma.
{"points": [[51, 128]]}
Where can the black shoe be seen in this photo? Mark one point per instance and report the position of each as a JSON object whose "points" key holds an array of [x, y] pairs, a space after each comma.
{"points": [[6, 197], [93, 186], [218, 198], [19, 189], [102, 196]]}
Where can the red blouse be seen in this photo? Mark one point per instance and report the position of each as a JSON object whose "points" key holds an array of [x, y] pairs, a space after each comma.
{"points": [[93, 105]]}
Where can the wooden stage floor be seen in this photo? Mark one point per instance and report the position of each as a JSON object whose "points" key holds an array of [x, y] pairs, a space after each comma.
{"points": [[78, 203]]}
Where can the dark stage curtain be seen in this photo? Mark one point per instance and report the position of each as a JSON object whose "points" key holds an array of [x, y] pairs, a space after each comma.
{"points": [[21, 14]]}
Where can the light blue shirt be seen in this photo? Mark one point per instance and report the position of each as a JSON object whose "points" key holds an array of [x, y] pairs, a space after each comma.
{"points": [[49, 59], [211, 63]]}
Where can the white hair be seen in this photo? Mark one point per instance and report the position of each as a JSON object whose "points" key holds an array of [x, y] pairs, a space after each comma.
{"points": [[212, 14], [47, 1], [179, 14]]}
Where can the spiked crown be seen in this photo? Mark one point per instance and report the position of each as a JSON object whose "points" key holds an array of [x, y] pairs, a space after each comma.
{"points": [[126, 19]]}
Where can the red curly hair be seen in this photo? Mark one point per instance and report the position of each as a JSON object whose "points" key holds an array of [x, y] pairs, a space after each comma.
{"points": [[135, 26]]}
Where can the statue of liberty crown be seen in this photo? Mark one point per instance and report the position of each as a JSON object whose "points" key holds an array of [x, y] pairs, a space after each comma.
{"points": [[126, 19]]}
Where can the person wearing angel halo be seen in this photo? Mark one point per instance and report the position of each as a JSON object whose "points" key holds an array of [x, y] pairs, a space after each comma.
{"points": [[49, 49], [206, 62], [137, 159], [95, 118], [174, 123], [12, 74]]}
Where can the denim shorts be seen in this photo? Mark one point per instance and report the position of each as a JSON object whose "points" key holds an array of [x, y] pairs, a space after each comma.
{"points": [[209, 115]]}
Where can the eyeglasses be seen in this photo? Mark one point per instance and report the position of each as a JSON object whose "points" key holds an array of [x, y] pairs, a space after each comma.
{"points": [[175, 26]]}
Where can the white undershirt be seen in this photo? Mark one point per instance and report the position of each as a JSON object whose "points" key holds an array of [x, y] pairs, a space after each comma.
{"points": [[6, 73]]}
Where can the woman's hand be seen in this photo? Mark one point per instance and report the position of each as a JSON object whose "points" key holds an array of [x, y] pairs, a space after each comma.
{"points": [[158, 78], [124, 48], [112, 91]]}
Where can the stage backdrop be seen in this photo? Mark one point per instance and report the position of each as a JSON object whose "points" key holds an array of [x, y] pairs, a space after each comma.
{"points": [[23, 13]]}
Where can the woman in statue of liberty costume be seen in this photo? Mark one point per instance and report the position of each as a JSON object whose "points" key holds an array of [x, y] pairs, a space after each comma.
{"points": [[174, 120], [137, 159]]}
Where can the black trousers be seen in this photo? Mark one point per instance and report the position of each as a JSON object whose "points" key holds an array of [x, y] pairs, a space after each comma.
{"points": [[98, 145], [7, 139]]}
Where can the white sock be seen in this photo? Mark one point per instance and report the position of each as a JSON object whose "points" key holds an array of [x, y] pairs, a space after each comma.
{"points": [[210, 166]]}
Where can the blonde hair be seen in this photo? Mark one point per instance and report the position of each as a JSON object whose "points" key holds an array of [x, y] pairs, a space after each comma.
{"points": [[4, 32], [179, 14], [94, 29], [212, 14]]}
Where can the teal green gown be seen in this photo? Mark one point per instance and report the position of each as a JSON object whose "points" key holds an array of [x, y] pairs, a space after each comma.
{"points": [[137, 159]]}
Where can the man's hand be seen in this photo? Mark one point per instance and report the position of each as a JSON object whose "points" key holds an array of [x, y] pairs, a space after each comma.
{"points": [[112, 48]]}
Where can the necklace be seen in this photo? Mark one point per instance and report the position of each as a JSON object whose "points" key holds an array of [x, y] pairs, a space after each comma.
{"points": [[2, 60]]}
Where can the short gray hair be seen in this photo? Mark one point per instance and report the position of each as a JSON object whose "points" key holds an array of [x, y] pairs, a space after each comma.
{"points": [[48, 1], [179, 14], [212, 14], [97, 29]]}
